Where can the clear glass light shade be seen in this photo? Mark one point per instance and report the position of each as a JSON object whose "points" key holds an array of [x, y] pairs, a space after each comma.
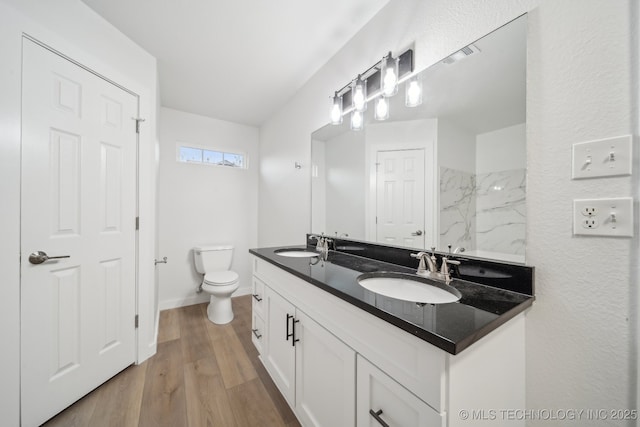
{"points": [[336, 110], [359, 94], [382, 108], [389, 75], [357, 120], [413, 93]]}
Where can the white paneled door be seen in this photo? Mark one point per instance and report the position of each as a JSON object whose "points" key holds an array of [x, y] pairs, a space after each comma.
{"points": [[78, 201], [400, 198]]}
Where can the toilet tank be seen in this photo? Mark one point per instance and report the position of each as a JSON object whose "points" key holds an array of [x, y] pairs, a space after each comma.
{"points": [[212, 258]]}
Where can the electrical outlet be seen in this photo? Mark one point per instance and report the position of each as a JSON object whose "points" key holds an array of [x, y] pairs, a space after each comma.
{"points": [[603, 217]]}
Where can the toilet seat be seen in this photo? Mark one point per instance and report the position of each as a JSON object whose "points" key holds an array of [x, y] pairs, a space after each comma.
{"points": [[220, 278]]}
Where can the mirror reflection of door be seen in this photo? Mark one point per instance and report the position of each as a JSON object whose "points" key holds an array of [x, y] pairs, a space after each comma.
{"points": [[400, 197]]}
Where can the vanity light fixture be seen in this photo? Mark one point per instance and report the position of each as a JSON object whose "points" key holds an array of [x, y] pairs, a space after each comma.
{"points": [[413, 92], [381, 111], [336, 109], [379, 80]]}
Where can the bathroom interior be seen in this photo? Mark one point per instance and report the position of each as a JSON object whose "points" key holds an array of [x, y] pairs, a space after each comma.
{"points": [[295, 206]]}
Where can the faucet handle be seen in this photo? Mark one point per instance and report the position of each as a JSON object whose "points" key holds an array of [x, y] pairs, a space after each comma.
{"points": [[444, 269]]}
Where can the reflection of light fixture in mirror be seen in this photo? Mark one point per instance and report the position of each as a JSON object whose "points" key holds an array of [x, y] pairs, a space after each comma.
{"points": [[359, 94], [382, 78], [381, 111], [357, 121], [389, 73], [336, 109], [413, 92]]}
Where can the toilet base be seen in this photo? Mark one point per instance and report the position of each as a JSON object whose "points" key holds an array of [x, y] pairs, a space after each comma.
{"points": [[219, 310]]}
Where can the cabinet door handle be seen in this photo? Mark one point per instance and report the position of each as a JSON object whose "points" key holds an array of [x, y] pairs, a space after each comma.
{"points": [[288, 333], [293, 333], [256, 297], [255, 332], [376, 415]]}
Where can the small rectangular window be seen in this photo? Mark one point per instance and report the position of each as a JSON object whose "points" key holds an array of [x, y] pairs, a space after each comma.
{"points": [[211, 157]]}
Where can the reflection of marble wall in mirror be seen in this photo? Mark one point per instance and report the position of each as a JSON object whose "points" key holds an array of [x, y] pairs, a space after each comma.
{"points": [[484, 211]]}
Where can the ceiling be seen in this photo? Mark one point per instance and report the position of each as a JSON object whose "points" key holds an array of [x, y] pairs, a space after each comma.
{"points": [[236, 60]]}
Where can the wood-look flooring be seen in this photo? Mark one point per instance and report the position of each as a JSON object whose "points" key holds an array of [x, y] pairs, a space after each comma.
{"points": [[202, 375]]}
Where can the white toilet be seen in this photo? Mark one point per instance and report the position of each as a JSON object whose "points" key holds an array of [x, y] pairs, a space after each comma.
{"points": [[219, 281]]}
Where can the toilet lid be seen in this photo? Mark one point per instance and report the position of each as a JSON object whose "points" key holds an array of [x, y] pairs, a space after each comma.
{"points": [[220, 277]]}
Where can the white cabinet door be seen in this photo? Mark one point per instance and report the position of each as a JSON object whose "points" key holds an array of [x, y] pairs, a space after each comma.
{"points": [[325, 376], [279, 351], [382, 401]]}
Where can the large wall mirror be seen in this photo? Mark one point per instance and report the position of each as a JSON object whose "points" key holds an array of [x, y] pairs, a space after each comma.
{"points": [[451, 171]]}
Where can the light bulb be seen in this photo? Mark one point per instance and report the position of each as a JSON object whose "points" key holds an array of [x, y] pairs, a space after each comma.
{"points": [[359, 94], [382, 108], [336, 110], [413, 93], [390, 82], [356, 120], [389, 73]]}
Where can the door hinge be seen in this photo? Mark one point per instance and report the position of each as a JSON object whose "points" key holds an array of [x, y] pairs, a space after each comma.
{"points": [[138, 121], [137, 321], [137, 223]]}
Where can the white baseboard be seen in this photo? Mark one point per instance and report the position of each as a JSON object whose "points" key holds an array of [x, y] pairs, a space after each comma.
{"points": [[196, 299]]}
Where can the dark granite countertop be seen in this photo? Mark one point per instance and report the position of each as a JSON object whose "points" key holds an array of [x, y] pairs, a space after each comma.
{"points": [[451, 327]]}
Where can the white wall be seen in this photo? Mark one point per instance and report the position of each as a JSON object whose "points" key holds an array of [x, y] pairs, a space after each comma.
{"points": [[501, 149], [203, 204], [345, 185], [72, 28], [456, 147], [580, 342]]}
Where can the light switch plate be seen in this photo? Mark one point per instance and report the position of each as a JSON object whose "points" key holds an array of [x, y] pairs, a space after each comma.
{"points": [[603, 217], [604, 157]]}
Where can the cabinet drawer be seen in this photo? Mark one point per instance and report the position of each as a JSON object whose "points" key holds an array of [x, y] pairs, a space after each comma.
{"points": [[382, 400], [257, 331], [257, 293]]}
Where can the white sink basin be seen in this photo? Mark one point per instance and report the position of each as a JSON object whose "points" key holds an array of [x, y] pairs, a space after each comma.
{"points": [[409, 288], [296, 253]]}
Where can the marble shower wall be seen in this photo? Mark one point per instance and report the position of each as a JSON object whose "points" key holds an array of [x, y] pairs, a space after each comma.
{"points": [[457, 208], [485, 212], [500, 211]]}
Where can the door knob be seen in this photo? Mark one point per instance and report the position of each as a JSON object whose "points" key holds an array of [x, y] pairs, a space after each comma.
{"points": [[417, 233], [39, 257]]}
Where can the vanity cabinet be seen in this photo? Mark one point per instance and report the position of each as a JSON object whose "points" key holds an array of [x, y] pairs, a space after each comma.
{"points": [[381, 400], [410, 380], [313, 369]]}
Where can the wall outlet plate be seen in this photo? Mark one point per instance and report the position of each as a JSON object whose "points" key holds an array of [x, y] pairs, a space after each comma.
{"points": [[603, 217], [604, 157]]}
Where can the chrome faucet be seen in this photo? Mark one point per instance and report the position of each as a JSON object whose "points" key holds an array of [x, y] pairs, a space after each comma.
{"points": [[322, 245], [428, 266], [426, 260]]}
